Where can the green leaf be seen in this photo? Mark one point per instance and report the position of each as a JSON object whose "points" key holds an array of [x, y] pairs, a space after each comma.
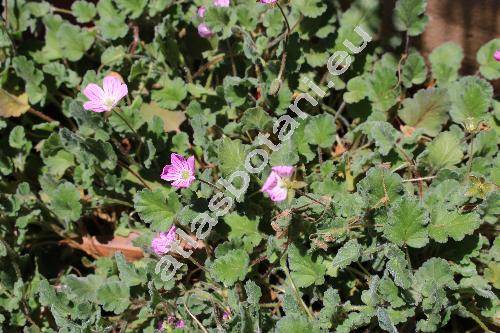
{"points": [[157, 207], [73, 41], [310, 8], [17, 138], [113, 56], [383, 88], [433, 275], [409, 16], [133, 8], [114, 296], [84, 11], [380, 185], [414, 70], [384, 135], [253, 292], [427, 110], [111, 22], [471, 98], [231, 155], [172, 93], [256, 119], [490, 67], [236, 90], [443, 152], [59, 163], [446, 60], [243, 228], [320, 130], [128, 274], [83, 288], [347, 254], [62, 74], [385, 321], [304, 270], [446, 224], [66, 202], [231, 267], [398, 267], [295, 323], [357, 89], [286, 155], [406, 223]]}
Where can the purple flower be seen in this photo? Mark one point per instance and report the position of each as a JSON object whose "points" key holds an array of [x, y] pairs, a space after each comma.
{"points": [[161, 243], [201, 11], [268, 2], [226, 315], [107, 97], [497, 55], [204, 31], [276, 183], [221, 3], [180, 172]]}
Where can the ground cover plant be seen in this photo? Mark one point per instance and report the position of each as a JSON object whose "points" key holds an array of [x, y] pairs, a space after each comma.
{"points": [[126, 199]]}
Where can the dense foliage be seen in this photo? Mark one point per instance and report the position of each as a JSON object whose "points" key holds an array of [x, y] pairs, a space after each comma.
{"points": [[391, 222]]}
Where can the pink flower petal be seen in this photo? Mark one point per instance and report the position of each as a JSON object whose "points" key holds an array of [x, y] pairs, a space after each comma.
{"points": [[201, 11], [95, 106], [204, 31], [176, 161], [190, 162], [271, 181], [278, 194], [283, 170], [93, 92], [114, 88], [497, 55], [221, 3]]}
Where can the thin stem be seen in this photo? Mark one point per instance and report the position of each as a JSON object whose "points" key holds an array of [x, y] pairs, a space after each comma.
{"points": [[62, 11], [210, 184], [194, 317], [233, 64], [313, 199], [136, 175], [471, 153], [40, 115], [127, 123], [299, 299], [283, 56], [418, 179], [408, 256]]}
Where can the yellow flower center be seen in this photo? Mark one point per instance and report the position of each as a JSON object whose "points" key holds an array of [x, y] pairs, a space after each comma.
{"points": [[185, 175]]}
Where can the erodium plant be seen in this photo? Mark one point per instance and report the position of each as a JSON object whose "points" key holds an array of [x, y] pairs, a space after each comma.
{"points": [[245, 166], [278, 183]]}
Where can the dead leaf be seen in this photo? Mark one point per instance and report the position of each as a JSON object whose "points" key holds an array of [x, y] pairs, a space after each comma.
{"points": [[13, 106], [107, 248], [172, 120]]}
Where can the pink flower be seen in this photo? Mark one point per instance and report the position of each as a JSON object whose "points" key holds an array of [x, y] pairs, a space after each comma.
{"points": [[497, 55], [226, 315], [180, 324], [204, 31], [161, 244], [180, 172], [201, 11], [275, 184], [107, 97], [221, 3], [268, 2]]}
